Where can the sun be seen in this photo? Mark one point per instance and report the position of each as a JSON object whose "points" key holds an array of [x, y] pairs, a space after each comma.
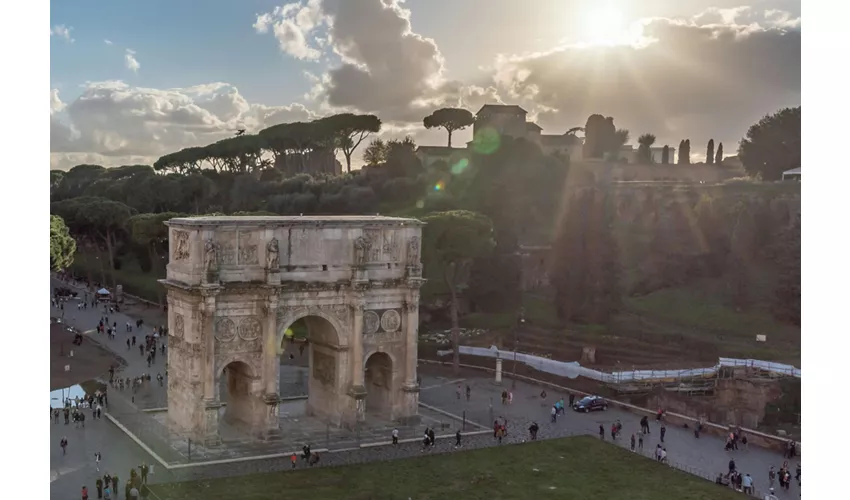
{"points": [[605, 24]]}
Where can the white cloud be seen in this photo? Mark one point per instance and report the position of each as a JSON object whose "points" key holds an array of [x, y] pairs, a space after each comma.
{"points": [[112, 122], [292, 25], [107, 41], [63, 32], [131, 62]]}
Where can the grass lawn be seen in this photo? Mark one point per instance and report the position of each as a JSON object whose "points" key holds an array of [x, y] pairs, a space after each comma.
{"points": [[579, 467]]}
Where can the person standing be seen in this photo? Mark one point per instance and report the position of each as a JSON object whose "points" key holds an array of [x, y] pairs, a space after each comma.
{"points": [[84, 493], [395, 436], [468, 392], [457, 439], [554, 413], [640, 440], [144, 470], [632, 443], [771, 476], [98, 485], [63, 443], [747, 484], [601, 432], [97, 460]]}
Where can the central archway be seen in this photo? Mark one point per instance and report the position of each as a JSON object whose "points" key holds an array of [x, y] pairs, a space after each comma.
{"points": [[379, 383], [312, 342]]}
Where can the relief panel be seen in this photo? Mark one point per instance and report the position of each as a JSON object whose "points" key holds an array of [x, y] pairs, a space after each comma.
{"points": [[324, 368]]}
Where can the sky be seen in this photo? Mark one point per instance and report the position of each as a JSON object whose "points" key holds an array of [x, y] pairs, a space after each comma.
{"points": [[132, 81]]}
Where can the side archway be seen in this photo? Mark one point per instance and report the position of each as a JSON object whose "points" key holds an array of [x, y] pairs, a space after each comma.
{"points": [[239, 389], [379, 384]]}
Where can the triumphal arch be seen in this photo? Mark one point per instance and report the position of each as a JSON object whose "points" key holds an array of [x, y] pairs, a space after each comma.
{"points": [[235, 284]]}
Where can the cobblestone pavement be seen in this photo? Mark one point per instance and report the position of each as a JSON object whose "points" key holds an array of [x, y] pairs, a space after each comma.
{"points": [[120, 453]]}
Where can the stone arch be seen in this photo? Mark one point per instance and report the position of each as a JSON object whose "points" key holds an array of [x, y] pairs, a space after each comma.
{"points": [[335, 335], [379, 368], [242, 387]]}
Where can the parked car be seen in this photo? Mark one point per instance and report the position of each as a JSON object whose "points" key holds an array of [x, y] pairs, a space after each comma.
{"points": [[590, 403]]}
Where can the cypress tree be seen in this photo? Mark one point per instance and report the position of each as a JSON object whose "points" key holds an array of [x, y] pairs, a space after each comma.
{"points": [[709, 152], [718, 158]]}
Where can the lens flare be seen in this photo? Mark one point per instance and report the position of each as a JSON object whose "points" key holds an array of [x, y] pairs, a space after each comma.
{"points": [[460, 166], [439, 186], [486, 141]]}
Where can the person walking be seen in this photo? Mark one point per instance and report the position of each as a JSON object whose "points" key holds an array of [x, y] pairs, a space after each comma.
{"points": [[468, 392], [632, 443], [63, 443], [457, 439], [395, 436], [84, 493]]}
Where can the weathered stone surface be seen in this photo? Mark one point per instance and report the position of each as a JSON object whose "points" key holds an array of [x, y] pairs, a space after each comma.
{"points": [[235, 284]]}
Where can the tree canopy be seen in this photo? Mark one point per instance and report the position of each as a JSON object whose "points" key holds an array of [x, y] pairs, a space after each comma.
{"points": [[450, 119], [772, 145], [62, 245], [453, 240]]}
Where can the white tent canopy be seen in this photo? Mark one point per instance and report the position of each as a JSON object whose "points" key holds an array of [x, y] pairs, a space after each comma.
{"points": [[791, 173], [103, 291]]}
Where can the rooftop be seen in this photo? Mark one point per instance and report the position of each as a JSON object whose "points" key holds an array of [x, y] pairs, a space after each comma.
{"points": [[292, 220], [501, 108], [435, 150]]}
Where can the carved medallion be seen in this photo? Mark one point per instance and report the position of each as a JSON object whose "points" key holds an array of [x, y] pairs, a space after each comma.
{"points": [[250, 328], [181, 245], [248, 255], [179, 326], [390, 320], [225, 330], [371, 322]]}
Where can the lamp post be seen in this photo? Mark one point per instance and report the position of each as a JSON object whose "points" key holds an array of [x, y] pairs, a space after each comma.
{"points": [[520, 322]]}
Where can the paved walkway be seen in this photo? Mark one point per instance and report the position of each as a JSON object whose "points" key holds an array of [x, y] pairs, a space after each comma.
{"points": [[120, 453], [704, 454], [68, 473]]}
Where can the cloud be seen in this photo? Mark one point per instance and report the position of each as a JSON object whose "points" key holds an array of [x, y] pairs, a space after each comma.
{"points": [[107, 41], [131, 62], [63, 32], [385, 68], [112, 123], [707, 77], [291, 26]]}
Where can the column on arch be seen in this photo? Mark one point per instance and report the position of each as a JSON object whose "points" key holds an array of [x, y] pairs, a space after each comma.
{"points": [[271, 364]]}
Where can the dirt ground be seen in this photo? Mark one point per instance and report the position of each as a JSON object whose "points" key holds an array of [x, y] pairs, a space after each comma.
{"points": [[89, 360]]}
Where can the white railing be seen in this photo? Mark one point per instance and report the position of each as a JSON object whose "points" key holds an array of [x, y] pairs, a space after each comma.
{"points": [[573, 369]]}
